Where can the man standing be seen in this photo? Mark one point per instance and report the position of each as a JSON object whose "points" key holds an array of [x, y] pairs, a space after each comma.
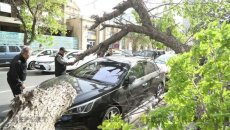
{"points": [[17, 72], [60, 63]]}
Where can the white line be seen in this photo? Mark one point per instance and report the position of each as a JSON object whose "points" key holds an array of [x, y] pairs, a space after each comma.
{"points": [[5, 91]]}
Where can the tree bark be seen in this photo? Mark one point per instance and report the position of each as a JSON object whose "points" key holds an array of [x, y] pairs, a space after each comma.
{"points": [[40, 108]]}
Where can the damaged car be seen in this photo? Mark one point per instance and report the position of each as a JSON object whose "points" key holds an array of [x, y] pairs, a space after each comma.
{"points": [[109, 86]]}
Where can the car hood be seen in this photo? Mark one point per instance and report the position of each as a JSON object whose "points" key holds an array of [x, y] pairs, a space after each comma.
{"points": [[86, 89], [45, 59]]}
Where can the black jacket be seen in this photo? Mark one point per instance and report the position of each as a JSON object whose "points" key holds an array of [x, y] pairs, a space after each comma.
{"points": [[60, 65], [17, 72]]}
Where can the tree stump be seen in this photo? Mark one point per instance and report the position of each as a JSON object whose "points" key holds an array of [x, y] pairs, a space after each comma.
{"points": [[40, 108]]}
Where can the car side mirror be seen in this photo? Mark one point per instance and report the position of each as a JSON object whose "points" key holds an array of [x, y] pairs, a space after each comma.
{"points": [[130, 80]]}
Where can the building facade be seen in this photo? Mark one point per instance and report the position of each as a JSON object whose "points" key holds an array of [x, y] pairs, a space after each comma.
{"points": [[10, 27]]}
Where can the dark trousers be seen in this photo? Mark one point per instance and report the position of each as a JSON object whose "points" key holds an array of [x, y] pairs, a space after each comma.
{"points": [[16, 90]]}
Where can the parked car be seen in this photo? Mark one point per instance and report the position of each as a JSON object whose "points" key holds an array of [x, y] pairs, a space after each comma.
{"points": [[47, 64], [8, 52], [108, 86], [39, 55], [122, 53], [150, 53], [162, 60]]}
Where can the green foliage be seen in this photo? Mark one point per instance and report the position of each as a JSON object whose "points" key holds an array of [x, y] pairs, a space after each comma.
{"points": [[115, 123], [46, 16], [196, 16], [198, 94]]}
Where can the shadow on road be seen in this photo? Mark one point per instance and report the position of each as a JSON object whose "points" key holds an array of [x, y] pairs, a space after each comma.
{"points": [[37, 73]]}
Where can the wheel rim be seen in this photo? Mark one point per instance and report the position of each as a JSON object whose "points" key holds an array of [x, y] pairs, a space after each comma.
{"points": [[112, 111], [32, 65]]}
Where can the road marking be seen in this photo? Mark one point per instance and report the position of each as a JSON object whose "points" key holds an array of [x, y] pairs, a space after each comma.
{"points": [[5, 91]]}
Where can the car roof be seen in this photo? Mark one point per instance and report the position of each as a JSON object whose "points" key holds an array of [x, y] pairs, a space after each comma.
{"points": [[123, 59]]}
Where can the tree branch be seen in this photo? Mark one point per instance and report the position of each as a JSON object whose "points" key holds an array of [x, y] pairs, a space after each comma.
{"points": [[140, 8], [161, 6], [28, 5], [103, 46], [119, 10]]}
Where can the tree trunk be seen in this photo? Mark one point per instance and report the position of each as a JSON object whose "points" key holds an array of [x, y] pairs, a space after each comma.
{"points": [[40, 108]]}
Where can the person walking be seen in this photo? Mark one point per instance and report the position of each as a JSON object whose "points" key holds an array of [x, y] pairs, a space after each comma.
{"points": [[17, 72], [60, 63]]}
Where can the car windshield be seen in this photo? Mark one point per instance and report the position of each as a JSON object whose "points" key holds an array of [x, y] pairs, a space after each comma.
{"points": [[109, 72], [35, 52]]}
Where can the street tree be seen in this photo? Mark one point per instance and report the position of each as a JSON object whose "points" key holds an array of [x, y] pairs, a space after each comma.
{"points": [[199, 88], [39, 17], [160, 26]]}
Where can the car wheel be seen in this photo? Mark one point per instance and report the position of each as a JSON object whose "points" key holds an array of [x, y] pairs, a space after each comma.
{"points": [[160, 90], [31, 65], [110, 112]]}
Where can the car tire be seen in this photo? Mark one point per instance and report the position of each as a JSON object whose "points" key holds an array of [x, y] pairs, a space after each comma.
{"points": [[31, 65], [160, 90], [111, 111]]}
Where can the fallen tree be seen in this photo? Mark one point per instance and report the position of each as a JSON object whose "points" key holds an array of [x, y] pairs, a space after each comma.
{"points": [[158, 26], [40, 108]]}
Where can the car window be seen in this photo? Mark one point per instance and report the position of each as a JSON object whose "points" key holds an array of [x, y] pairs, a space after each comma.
{"points": [[35, 52], [104, 71], [2, 48], [72, 55], [55, 52], [48, 52], [137, 70], [149, 67], [14, 49]]}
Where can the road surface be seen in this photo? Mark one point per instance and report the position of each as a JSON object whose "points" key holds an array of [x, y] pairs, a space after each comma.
{"points": [[33, 79]]}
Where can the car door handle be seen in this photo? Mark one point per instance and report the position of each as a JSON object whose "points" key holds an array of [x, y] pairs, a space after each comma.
{"points": [[145, 84]]}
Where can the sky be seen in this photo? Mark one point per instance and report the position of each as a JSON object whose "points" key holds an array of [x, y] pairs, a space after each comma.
{"points": [[92, 7]]}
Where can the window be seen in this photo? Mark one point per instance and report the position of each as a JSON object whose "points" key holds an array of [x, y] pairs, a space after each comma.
{"points": [[14, 49], [2, 48], [72, 55], [46, 53], [103, 71], [150, 67], [137, 70]]}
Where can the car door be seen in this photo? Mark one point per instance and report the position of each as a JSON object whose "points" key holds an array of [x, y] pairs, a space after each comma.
{"points": [[135, 93], [13, 51], [3, 50], [155, 78]]}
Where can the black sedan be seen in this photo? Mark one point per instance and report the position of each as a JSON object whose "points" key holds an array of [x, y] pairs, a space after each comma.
{"points": [[109, 86]]}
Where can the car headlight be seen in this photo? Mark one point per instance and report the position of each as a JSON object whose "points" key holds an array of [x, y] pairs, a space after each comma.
{"points": [[82, 108]]}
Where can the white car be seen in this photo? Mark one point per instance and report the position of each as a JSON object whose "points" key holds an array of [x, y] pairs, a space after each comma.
{"points": [[48, 65], [161, 62], [39, 55]]}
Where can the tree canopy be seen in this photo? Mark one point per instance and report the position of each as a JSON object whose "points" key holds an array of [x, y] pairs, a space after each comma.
{"points": [[39, 17]]}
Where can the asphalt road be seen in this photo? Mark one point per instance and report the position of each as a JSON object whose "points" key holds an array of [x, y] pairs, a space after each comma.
{"points": [[33, 79]]}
